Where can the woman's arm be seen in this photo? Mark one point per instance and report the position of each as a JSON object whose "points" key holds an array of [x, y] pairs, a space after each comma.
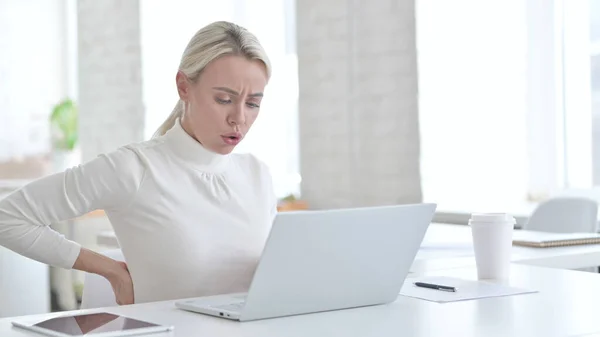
{"points": [[107, 182]]}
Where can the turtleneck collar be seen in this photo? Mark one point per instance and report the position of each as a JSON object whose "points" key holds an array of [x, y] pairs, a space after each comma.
{"points": [[190, 150]]}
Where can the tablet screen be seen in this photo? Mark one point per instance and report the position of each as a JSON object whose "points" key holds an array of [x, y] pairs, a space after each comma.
{"points": [[91, 324]]}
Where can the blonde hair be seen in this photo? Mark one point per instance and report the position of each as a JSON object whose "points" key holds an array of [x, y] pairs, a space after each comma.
{"points": [[212, 41]]}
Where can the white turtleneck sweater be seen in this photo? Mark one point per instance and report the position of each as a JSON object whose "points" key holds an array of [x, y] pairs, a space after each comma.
{"points": [[190, 222]]}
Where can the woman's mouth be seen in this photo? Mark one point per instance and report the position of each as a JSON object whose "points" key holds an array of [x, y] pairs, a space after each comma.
{"points": [[232, 138]]}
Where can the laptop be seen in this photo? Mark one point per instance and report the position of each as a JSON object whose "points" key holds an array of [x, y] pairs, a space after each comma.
{"points": [[324, 260]]}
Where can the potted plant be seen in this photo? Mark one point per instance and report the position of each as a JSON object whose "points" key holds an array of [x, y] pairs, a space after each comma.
{"points": [[291, 203], [64, 124]]}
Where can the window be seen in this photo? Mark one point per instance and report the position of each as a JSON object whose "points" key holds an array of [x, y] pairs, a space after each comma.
{"points": [[30, 85], [594, 53], [472, 58], [581, 34], [166, 30], [509, 101]]}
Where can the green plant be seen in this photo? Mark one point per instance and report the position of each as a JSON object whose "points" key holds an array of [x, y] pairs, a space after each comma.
{"points": [[289, 198], [78, 288], [64, 125]]}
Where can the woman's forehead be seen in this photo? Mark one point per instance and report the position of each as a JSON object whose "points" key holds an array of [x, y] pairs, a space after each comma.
{"points": [[235, 71]]}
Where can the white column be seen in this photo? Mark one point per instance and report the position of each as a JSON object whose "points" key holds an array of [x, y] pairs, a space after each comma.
{"points": [[359, 138], [110, 81]]}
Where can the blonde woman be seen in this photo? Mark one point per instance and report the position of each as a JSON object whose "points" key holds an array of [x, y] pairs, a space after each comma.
{"points": [[191, 217]]}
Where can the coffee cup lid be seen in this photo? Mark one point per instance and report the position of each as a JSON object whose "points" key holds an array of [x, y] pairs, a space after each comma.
{"points": [[492, 217]]}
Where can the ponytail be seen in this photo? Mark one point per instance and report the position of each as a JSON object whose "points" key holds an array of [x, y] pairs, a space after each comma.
{"points": [[170, 121]]}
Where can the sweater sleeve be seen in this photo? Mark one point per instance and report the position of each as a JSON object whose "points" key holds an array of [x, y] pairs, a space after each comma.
{"points": [[107, 182]]}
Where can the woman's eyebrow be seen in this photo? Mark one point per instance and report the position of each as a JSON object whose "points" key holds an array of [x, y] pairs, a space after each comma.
{"points": [[233, 92]]}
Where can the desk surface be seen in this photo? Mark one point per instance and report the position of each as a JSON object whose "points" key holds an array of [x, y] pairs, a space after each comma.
{"points": [[564, 306], [458, 215], [453, 245]]}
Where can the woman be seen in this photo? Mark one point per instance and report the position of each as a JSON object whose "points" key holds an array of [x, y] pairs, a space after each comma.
{"points": [[191, 217]]}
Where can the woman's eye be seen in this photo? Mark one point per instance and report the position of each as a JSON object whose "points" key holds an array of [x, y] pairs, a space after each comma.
{"points": [[222, 101], [253, 105]]}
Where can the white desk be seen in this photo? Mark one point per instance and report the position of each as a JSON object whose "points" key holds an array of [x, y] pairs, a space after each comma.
{"points": [[521, 211], [565, 306], [450, 246], [456, 215]]}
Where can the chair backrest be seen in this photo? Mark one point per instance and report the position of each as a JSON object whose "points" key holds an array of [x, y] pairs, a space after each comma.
{"points": [[588, 193], [97, 291], [565, 215]]}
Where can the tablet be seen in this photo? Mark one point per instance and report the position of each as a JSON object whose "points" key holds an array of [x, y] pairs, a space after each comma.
{"points": [[100, 324]]}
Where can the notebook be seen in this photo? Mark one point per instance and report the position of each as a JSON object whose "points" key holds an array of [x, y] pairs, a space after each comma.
{"points": [[545, 239]]}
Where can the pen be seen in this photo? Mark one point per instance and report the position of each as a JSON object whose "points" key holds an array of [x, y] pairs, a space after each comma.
{"points": [[435, 286]]}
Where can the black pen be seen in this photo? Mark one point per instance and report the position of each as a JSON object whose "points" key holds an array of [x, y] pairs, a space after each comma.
{"points": [[435, 286]]}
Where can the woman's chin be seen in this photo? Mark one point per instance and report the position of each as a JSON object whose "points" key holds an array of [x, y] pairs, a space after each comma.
{"points": [[224, 149]]}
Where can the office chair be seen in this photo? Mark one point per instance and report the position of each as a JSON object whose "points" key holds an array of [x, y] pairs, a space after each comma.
{"points": [[564, 215], [97, 291]]}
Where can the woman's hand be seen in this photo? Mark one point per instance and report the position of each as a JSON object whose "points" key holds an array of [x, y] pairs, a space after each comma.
{"points": [[122, 285], [116, 272]]}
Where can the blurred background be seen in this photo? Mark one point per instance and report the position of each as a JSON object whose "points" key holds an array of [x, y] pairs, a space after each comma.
{"points": [[474, 105]]}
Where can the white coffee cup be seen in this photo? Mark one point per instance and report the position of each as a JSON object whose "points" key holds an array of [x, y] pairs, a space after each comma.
{"points": [[492, 242]]}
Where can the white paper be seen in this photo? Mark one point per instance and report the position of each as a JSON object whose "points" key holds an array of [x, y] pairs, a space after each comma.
{"points": [[465, 289]]}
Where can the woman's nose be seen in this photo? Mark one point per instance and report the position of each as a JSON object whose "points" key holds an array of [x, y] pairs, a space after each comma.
{"points": [[237, 116]]}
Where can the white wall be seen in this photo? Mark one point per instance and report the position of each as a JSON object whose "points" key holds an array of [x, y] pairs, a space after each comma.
{"points": [[359, 128]]}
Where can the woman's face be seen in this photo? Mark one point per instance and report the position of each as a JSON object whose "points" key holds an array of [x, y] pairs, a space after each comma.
{"points": [[224, 102]]}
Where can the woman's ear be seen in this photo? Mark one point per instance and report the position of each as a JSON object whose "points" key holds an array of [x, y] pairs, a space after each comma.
{"points": [[183, 86]]}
